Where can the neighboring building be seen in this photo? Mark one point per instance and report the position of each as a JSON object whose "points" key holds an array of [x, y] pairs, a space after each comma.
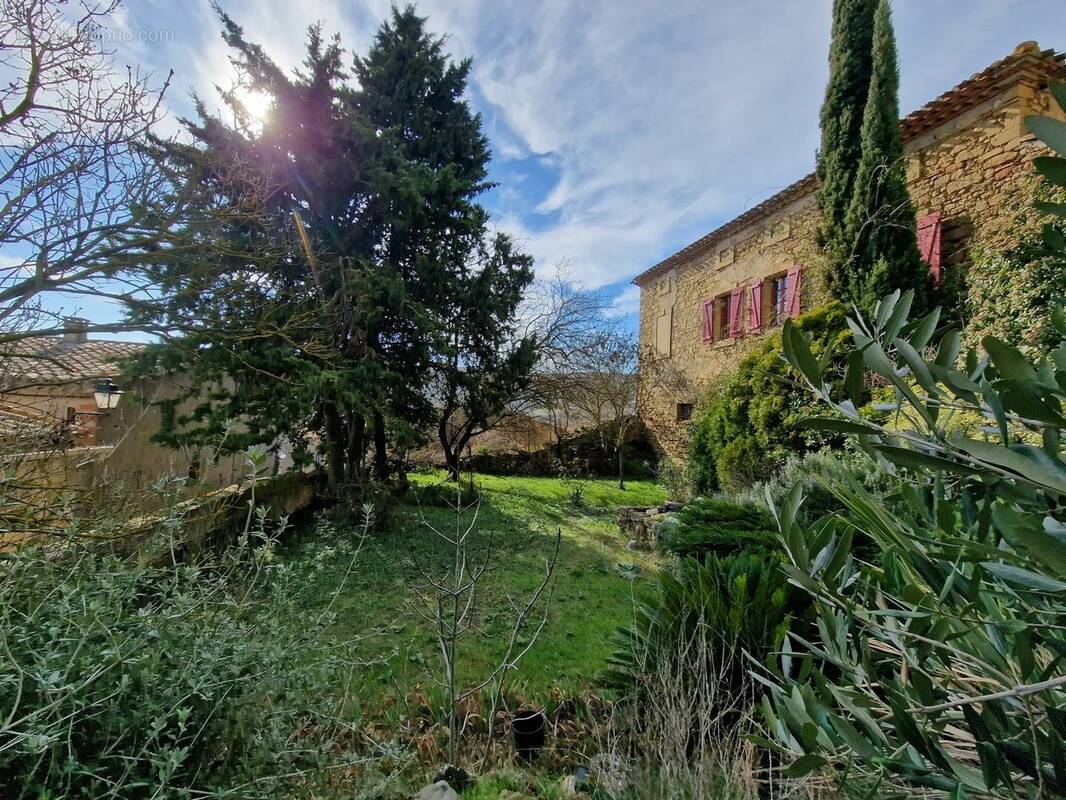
{"points": [[48, 407], [969, 171], [52, 379]]}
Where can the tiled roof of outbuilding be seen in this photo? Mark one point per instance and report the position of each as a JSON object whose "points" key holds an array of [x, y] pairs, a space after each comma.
{"points": [[49, 360], [17, 424], [1026, 62]]}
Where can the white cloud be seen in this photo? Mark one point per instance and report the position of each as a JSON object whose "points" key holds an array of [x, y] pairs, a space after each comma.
{"points": [[658, 122], [626, 302]]}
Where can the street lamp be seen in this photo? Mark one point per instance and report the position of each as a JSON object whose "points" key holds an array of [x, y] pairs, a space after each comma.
{"points": [[107, 395]]}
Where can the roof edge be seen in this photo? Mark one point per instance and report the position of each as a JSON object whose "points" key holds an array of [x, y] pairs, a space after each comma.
{"points": [[1027, 60]]}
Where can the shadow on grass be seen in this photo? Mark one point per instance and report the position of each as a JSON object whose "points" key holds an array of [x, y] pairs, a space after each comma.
{"points": [[375, 605]]}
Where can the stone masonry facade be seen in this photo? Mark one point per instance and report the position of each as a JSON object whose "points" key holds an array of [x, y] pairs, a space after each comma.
{"points": [[969, 169]]}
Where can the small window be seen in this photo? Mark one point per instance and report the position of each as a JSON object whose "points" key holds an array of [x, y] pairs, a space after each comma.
{"points": [[684, 412], [776, 299], [780, 231]]}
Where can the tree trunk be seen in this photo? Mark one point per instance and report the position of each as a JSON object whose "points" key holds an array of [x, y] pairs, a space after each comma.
{"points": [[451, 455], [335, 460], [381, 455], [453, 452], [621, 467], [356, 447], [451, 462]]}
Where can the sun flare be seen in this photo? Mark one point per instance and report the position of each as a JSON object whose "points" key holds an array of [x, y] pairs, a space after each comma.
{"points": [[256, 104]]}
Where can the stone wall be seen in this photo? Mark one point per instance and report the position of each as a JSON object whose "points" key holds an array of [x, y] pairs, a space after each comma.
{"points": [[974, 169], [680, 376]]}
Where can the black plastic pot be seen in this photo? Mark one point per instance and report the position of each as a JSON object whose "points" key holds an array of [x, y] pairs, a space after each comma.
{"points": [[530, 728]]}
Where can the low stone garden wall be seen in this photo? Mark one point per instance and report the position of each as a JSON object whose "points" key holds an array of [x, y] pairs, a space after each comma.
{"points": [[638, 523]]}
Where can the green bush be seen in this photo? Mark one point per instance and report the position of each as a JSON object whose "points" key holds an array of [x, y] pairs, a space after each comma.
{"points": [[720, 609], [745, 428], [939, 667], [1010, 294], [815, 472], [125, 680], [673, 476], [447, 494], [709, 526]]}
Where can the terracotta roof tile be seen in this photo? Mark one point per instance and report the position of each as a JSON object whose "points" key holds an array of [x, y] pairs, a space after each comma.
{"points": [[1026, 63], [49, 360]]}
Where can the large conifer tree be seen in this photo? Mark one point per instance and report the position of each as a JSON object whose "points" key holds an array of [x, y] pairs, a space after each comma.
{"points": [[352, 223], [850, 65], [880, 221], [468, 282]]}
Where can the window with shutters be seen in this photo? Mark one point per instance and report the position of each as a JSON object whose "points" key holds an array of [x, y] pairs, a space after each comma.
{"points": [[929, 239], [721, 316], [707, 319], [776, 293]]}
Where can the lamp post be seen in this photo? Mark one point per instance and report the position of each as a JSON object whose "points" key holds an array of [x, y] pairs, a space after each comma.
{"points": [[107, 395]]}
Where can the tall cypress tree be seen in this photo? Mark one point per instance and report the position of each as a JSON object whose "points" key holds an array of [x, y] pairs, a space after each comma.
{"points": [[850, 65], [880, 221]]}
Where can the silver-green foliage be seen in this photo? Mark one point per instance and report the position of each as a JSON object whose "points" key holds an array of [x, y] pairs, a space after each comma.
{"points": [[123, 679], [940, 661]]}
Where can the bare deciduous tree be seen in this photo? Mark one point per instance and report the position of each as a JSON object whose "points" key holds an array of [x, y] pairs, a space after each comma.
{"points": [[448, 601], [568, 326], [587, 373], [603, 385], [80, 199]]}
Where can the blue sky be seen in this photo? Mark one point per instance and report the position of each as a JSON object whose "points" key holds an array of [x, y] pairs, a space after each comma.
{"points": [[621, 129]]}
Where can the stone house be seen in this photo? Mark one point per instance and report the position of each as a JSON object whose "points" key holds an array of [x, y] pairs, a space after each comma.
{"points": [[969, 171], [48, 412]]}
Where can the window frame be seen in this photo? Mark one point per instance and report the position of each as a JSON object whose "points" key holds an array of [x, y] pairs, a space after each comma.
{"points": [[775, 309], [721, 317]]}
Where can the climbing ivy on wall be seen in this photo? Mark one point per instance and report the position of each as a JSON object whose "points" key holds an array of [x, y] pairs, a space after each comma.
{"points": [[1011, 293]]}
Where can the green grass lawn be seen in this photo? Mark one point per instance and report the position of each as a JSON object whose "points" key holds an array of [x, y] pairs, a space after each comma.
{"points": [[376, 604]]}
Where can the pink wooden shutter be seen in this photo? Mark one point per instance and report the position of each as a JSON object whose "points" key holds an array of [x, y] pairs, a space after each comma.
{"points": [[708, 320], [792, 291], [736, 312], [929, 242], [755, 307]]}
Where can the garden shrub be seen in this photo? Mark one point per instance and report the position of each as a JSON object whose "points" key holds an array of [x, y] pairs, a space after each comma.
{"points": [[127, 680], [744, 428], [710, 526], [723, 607], [940, 667], [673, 476], [814, 472], [443, 495], [1011, 293]]}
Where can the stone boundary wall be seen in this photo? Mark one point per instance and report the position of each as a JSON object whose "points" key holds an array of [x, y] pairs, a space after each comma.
{"points": [[55, 485]]}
